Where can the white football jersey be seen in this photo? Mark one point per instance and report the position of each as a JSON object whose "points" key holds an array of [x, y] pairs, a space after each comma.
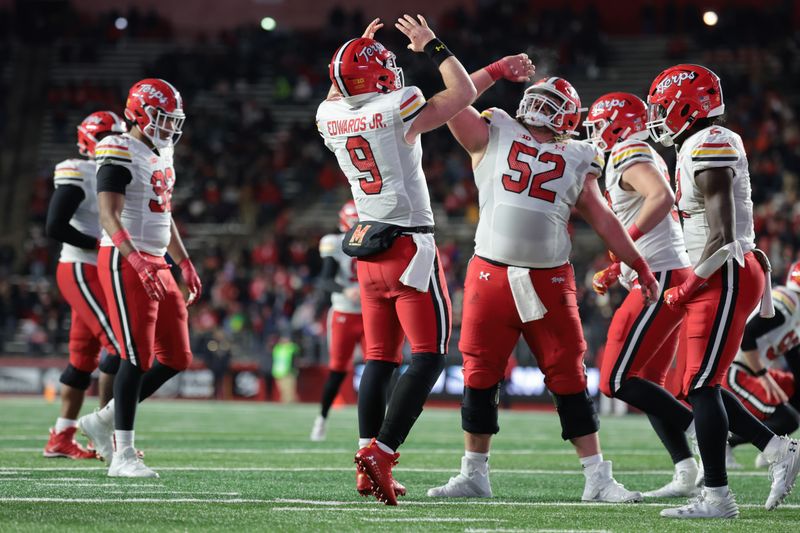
{"points": [[147, 214], [80, 173], [346, 275], [367, 134], [774, 344], [526, 190], [713, 147], [662, 246]]}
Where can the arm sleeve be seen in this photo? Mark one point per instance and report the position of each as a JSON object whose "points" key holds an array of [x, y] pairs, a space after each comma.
{"points": [[66, 200], [759, 326], [113, 178], [327, 276]]}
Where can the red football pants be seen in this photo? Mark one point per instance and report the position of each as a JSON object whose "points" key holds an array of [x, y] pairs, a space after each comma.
{"points": [[391, 310], [90, 327], [491, 326], [345, 330], [751, 393], [145, 328], [642, 340]]}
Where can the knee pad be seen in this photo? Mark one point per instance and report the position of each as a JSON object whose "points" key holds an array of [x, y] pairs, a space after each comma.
{"points": [[479, 410], [578, 415], [426, 366], [77, 379], [109, 364]]}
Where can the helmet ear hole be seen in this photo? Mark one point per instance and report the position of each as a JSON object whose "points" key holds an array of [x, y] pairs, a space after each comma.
{"points": [[685, 110]]}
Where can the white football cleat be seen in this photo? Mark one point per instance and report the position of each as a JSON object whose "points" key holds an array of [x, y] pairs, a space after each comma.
{"points": [[126, 463], [469, 483], [706, 505], [730, 460], [783, 472], [602, 487], [319, 430], [761, 461], [100, 433], [682, 484]]}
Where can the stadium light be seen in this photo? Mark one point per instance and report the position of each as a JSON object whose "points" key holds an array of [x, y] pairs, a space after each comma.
{"points": [[121, 23], [268, 24], [710, 18]]}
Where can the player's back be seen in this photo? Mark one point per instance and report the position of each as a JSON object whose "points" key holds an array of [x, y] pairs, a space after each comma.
{"points": [[147, 214], [346, 275], [713, 147], [80, 173], [367, 134], [526, 191]]}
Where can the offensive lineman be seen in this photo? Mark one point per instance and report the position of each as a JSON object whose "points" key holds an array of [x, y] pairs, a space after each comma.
{"points": [[72, 220], [135, 179], [372, 122], [529, 174]]}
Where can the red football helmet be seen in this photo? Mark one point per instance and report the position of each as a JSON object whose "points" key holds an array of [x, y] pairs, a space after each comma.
{"points": [[94, 125], [793, 277], [348, 216], [552, 103], [157, 108], [363, 66], [677, 97], [615, 117]]}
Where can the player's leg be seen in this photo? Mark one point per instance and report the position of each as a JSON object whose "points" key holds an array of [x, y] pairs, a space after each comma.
{"points": [[559, 345], [173, 350], [109, 366]]}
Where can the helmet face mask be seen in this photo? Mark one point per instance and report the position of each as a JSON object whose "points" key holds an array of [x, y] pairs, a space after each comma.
{"points": [[156, 107], [165, 129], [551, 103]]}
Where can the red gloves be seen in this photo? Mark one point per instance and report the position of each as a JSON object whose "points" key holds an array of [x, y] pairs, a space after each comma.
{"points": [[192, 280], [148, 274], [679, 295], [647, 281], [606, 278]]}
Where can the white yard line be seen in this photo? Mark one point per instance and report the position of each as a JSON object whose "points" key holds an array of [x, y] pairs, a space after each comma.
{"points": [[432, 519]]}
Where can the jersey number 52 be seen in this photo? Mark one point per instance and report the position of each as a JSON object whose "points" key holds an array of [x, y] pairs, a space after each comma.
{"points": [[364, 160], [524, 168]]}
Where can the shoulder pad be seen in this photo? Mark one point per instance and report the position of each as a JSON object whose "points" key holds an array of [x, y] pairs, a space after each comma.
{"points": [[114, 149], [410, 102]]}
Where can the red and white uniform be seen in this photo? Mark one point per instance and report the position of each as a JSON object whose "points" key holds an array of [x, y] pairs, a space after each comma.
{"points": [[76, 276], [526, 190], [772, 346], [717, 313], [145, 328], [345, 327], [366, 133], [642, 339]]}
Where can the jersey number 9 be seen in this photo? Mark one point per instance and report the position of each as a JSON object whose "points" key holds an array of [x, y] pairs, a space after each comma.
{"points": [[364, 160]]}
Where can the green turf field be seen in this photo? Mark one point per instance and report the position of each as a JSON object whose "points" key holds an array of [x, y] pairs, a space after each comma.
{"points": [[245, 467]]}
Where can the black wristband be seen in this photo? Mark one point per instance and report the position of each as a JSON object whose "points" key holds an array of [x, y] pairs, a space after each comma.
{"points": [[762, 372], [437, 51]]}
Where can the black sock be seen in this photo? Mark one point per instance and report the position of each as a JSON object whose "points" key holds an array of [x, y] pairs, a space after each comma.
{"points": [[711, 425], [126, 395], [330, 390], [654, 400], [409, 396], [392, 383], [784, 421], [154, 378], [372, 395], [743, 423], [674, 439]]}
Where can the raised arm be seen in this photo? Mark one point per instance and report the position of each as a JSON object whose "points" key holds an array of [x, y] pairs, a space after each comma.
{"points": [[459, 92]]}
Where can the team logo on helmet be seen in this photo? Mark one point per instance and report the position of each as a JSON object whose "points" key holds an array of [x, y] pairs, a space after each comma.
{"points": [[674, 79]]}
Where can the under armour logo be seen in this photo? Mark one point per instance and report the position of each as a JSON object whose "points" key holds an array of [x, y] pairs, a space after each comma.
{"points": [[484, 275], [439, 47], [558, 279]]}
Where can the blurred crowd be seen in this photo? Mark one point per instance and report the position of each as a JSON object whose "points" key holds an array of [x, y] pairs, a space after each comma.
{"points": [[251, 157]]}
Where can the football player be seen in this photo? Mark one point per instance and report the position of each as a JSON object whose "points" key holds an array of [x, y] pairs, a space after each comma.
{"points": [[530, 173], [726, 284], [135, 179], [768, 392], [72, 220], [373, 123], [642, 340]]}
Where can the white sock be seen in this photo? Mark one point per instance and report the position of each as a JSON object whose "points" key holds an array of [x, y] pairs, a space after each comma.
{"points": [[122, 439], [477, 461], [690, 431], [591, 460], [384, 447], [686, 464], [64, 423], [363, 443], [106, 414], [719, 492], [773, 448]]}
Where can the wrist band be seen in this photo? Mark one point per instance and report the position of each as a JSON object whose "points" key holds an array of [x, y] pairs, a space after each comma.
{"points": [[495, 70], [120, 237], [437, 51], [759, 373], [634, 232]]}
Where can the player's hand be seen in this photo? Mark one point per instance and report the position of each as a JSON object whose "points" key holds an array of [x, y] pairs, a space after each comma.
{"points": [[149, 275], [372, 28], [192, 281], [417, 32], [775, 394], [647, 281], [679, 295], [606, 278], [518, 68], [352, 293]]}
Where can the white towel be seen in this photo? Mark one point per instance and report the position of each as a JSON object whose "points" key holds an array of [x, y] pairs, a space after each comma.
{"points": [[529, 306], [767, 307], [418, 272]]}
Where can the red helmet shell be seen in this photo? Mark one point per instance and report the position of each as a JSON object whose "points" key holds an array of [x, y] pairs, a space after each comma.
{"points": [[615, 117], [348, 216], [156, 107], [793, 277], [362, 66], [95, 125], [553, 103]]}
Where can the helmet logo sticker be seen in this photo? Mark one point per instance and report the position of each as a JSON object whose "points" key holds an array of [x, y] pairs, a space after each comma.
{"points": [[675, 79], [154, 92]]}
